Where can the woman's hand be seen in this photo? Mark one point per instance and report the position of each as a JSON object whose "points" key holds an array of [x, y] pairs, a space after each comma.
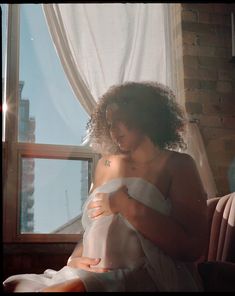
{"points": [[86, 264], [104, 203]]}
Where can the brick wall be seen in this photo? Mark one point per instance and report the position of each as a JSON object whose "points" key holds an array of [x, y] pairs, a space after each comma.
{"points": [[209, 84]]}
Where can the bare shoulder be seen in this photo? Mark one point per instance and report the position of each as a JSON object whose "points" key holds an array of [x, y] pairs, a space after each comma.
{"points": [[177, 162], [104, 163], [185, 175], [108, 161], [188, 198], [108, 167]]}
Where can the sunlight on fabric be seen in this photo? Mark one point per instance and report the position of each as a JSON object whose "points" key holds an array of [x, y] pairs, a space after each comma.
{"points": [[4, 112], [4, 108]]}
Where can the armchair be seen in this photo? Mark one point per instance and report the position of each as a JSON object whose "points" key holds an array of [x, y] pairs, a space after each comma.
{"points": [[218, 267]]}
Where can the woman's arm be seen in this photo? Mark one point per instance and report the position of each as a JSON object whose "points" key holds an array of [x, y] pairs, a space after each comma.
{"points": [[181, 235], [77, 252], [76, 259]]}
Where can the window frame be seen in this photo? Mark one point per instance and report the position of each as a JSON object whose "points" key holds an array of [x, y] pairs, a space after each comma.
{"points": [[14, 151]]}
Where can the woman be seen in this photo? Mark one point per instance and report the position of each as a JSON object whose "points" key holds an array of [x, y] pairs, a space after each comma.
{"points": [[145, 218]]}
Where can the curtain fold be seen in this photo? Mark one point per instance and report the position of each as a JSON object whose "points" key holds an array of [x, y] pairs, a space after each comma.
{"points": [[69, 62], [196, 148], [100, 45]]}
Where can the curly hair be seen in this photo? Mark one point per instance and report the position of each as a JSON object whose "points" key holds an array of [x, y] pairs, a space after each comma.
{"points": [[148, 106]]}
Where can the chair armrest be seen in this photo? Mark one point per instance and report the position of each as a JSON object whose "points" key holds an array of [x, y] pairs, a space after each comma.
{"points": [[217, 276]]}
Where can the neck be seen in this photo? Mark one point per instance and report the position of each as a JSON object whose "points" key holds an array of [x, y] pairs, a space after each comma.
{"points": [[145, 152]]}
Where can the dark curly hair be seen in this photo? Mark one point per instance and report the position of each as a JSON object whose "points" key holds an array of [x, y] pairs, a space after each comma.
{"points": [[147, 106]]}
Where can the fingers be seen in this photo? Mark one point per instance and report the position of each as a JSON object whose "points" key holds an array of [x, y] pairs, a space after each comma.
{"points": [[95, 213], [86, 263], [88, 260], [94, 204], [99, 270]]}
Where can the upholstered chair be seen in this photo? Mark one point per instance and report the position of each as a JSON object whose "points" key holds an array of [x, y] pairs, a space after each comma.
{"points": [[218, 266]]}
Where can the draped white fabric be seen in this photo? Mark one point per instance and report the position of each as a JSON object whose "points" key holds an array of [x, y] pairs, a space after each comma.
{"points": [[100, 45], [196, 148], [105, 44]]}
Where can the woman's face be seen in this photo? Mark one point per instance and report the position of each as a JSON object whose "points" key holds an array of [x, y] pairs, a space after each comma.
{"points": [[127, 139]]}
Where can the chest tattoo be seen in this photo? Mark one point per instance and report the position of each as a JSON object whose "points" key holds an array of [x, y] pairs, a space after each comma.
{"points": [[107, 162]]}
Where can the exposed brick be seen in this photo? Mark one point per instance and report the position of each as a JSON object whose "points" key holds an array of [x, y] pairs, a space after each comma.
{"points": [[204, 17], [223, 30], [229, 122], [215, 62], [208, 74], [220, 170], [189, 15], [227, 98], [215, 108], [228, 19], [204, 7], [220, 158], [193, 50], [202, 96], [190, 61], [190, 38], [213, 40], [224, 52], [210, 120], [222, 7], [206, 47], [229, 144], [224, 87], [225, 75], [193, 108], [191, 83], [218, 18], [208, 85], [216, 145], [212, 109], [215, 133], [199, 28], [228, 108]]}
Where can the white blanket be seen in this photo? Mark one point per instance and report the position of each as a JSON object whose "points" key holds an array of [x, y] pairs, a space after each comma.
{"points": [[135, 263]]}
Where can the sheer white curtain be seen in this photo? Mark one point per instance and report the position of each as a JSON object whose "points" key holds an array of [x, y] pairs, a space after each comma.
{"points": [[104, 44], [196, 148], [100, 45]]}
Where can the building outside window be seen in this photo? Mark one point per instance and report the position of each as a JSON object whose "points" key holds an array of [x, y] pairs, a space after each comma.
{"points": [[48, 168]]}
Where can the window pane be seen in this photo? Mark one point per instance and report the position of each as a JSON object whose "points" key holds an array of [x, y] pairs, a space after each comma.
{"points": [[52, 194], [47, 97], [4, 14]]}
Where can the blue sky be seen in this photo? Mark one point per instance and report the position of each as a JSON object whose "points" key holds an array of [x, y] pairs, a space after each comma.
{"points": [[60, 119]]}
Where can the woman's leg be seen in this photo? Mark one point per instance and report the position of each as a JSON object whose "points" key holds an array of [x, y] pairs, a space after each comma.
{"points": [[22, 285], [74, 285]]}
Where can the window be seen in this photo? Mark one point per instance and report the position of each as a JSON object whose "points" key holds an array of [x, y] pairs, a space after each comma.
{"points": [[48, 169], [4, 13]]}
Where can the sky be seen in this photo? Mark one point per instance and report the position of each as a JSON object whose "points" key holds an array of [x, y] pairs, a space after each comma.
{"points": [[59, 117]]}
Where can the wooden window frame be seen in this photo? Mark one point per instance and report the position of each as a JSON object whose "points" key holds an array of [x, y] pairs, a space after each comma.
{"points": [[13, 151]]}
